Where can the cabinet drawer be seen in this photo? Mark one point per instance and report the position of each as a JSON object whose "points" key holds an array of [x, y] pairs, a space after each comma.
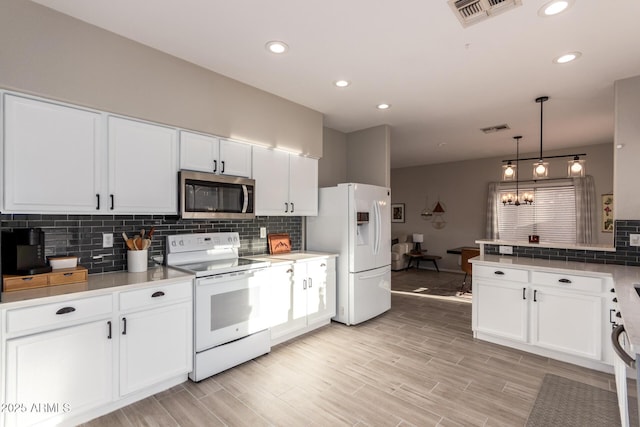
{"points": [[568, 281], [501, 273], [54, 315], [155, 295], [66, 277], [25, 282]]}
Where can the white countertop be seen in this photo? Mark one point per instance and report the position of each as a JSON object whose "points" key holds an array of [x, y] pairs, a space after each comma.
{"points": [[96, 283], [624, 279], [543, 244]]}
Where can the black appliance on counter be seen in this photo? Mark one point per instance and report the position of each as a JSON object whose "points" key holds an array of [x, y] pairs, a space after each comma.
{"points": [[23, 252]]}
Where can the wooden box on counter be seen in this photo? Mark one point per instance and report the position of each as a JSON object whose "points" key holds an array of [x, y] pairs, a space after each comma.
{"points": [[62, 276]]}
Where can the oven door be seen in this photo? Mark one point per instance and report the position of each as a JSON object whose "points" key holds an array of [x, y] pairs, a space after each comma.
{"points": [[228, 307]]}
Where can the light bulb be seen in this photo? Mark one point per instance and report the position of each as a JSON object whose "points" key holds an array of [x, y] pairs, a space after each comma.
{"points": [[540, 169], [508, 171], [576, 167]]}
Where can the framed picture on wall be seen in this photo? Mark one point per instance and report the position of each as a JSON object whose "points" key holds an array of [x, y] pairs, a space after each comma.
{"points": [[397, 212], [607, 213]]}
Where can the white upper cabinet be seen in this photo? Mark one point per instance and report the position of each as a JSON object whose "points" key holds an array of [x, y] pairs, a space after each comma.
{"points": [[51, 157], [143, 167], [210, 154], [286, 184]]}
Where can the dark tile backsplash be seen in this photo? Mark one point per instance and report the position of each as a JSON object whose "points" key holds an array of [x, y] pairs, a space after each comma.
{"points": [[81, 235], [624, 254]]}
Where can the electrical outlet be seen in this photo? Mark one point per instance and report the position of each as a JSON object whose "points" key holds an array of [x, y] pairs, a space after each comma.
{"points": [[263, 232], [634, 239], [107, 240], [507, 250]]}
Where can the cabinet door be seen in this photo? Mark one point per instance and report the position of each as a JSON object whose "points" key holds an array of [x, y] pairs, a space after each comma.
{"points": [[271, 172], [143, 167], [500, 309], [303, 185], [155, 345], [567, 321], [321, 300], [198, 152], [51, 157], [279, 282], [69, 370], [235, 158]]}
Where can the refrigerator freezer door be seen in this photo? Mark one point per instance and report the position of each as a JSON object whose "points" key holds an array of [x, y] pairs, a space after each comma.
{"points": [[370, 227], [369, 294]]}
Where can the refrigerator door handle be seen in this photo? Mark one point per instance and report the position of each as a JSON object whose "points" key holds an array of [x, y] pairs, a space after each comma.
{"points": [[376, 229]]}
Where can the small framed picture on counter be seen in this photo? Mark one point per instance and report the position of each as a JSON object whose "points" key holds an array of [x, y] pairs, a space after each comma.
{"points": [[397, 212]]}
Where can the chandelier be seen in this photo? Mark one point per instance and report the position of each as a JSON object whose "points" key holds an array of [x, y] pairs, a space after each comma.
{"points": [[510, 171]]}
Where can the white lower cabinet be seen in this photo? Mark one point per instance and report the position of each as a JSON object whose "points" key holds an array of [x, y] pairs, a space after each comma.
{"points": [[54, 375], [557, 315], [155, 345], [302, 297], [72, 360]]}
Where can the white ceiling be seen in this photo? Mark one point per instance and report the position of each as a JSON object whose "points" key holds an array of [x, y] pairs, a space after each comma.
{"points": [[444, 82]]}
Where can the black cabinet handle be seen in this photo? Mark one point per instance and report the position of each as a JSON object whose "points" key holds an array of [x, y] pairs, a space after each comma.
{"points": [[524, 293], [109, 324], [157, 294], [215, 165], [535, 296], [286, 207], [564, 281], [66, 310], [292, 207], [112, 200], [611, 311], [97, 202], [124, 328], [222, 171], [499, 273]]}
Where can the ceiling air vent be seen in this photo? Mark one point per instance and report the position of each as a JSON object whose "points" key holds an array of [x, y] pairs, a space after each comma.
{"points": [[497, 128], [472, 11]]}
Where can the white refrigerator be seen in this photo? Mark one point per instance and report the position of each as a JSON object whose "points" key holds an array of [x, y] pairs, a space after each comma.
{"points": [[354, 221]]}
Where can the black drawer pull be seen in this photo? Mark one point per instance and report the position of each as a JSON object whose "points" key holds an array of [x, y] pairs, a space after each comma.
{"points": [[499, 273], [66, 310], [26, 279], [564, 281], [157, 294], [68, 274]]}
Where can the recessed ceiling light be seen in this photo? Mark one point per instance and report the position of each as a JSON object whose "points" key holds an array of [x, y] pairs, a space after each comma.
{"points": [[554, 7], [383, 106], [276, 46], [342, 83], [567, 57]]}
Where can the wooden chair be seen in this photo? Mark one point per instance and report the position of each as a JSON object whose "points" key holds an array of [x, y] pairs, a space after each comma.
{"points": [[467, 266]]}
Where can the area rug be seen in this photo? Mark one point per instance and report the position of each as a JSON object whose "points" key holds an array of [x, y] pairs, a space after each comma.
{"points": [[567, 403]]}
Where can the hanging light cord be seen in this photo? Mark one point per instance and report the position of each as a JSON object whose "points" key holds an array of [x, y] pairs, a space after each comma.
{"points": [[517, 138]]}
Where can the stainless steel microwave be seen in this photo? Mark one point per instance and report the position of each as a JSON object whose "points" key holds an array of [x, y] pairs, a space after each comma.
{"points": [[207, 195]]}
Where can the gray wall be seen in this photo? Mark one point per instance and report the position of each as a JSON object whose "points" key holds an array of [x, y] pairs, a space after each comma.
{"points": [[627, 134], [368, 156], [46, 53], [332, 167], [462, 188]]}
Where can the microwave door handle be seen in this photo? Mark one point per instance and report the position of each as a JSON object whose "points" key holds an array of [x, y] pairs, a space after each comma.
{"points": [[245, 203]]}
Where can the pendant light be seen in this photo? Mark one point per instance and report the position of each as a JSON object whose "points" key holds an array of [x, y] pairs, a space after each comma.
{"points": [[541, 168], [517, 199]]}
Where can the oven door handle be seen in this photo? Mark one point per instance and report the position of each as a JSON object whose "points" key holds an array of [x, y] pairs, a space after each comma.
{"points": [[622, 354]]}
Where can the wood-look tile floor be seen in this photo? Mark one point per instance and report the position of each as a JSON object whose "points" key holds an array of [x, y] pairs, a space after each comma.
{"points": [[416, 365]]}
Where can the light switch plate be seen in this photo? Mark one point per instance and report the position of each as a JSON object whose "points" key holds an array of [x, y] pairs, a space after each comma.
{"points": [[634, 239], [107, 240], [263, 232], [507, 250]]}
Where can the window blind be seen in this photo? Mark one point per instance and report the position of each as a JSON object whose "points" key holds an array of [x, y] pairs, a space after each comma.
{"points": [[552, 215]]}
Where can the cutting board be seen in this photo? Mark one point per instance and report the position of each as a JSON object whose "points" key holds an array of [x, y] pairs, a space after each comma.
{"points": [[279, 243]]}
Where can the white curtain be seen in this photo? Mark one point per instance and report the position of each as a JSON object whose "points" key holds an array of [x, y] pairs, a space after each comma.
{"points": [[492, 211], [585, 208]]}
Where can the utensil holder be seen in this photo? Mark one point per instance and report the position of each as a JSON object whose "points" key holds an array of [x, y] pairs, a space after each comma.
{"points": [[137, 261]]}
